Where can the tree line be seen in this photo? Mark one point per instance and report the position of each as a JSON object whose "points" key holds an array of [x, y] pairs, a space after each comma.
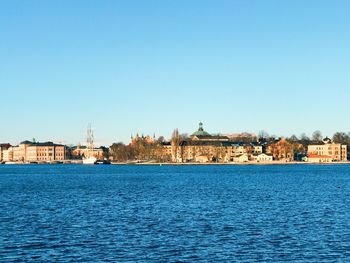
{"points": [[303, 141], [139, 150], [144, 150]]}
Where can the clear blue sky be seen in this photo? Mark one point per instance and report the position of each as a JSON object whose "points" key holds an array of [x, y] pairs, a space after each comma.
{"points": [[151, 66]]}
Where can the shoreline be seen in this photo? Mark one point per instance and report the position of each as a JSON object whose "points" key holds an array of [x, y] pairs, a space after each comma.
{"points": [[68, 162], [237, 164]]}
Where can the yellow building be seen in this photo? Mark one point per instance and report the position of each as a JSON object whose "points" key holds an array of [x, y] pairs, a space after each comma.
{"points": [[20, 151], [28, 151], [241, 158], [7, 155], [327, 152], [203, 147], [3, 147], [83, 151], [199, 151], [314, 158], [165, 152], [45, 152]]}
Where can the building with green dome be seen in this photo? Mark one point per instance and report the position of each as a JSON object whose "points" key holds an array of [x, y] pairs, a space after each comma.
{"points": [[200, 131], [202, 135]]}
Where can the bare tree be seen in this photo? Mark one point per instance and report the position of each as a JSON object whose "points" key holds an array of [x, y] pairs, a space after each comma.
{"points": [[304, 140], [293, 139], [160, 139], [341, 137], [317, 136], [263, 135], [220, 153], [120, 152], [175, 143]]}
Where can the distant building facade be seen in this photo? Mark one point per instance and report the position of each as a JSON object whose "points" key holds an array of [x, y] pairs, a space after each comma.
{"points": [[204, 147], [166, 152], [262, 157], [327, 152], [78, 152], [200, 147], [28, 151], [7, 155], [46, 152], [315, 158], [3, 148]]}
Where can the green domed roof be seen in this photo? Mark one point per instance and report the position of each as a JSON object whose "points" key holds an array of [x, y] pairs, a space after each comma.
{"points": [[26, 142], [201, 131]]}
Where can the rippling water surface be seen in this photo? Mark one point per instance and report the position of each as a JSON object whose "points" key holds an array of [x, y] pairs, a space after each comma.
{"points": [[65, 213]]}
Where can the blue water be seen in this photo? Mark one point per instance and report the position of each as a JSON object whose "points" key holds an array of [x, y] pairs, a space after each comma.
{"points": [[72, 213]]}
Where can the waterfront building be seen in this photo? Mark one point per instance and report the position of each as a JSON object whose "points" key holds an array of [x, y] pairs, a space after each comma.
{"points": [[79, 152], [257, 148], [20, 151], [201, 159], [45, 152], [199, 151], [7, 155], [327, 152], [201, 146], [315, 158], [243, 158], [3, 147], [262, 157], [202, 135], [166, 151], [237, 149], [28, 151]]}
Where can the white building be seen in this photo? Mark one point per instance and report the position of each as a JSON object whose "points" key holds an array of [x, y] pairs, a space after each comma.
{"points": [[241, 158], [263, 157]]}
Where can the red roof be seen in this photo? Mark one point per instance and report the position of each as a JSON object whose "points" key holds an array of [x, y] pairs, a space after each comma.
{"points": [[5, 145], [320, 156]]}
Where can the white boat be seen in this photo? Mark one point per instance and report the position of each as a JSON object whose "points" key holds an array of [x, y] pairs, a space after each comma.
{"points": [[10, 163], [90, 160]]}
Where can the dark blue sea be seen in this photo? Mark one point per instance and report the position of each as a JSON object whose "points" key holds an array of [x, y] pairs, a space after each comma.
{"points": [[273, 213]]}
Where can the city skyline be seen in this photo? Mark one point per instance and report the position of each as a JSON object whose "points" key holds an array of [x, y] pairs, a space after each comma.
{"points": [[167, 137], [151, 67]]}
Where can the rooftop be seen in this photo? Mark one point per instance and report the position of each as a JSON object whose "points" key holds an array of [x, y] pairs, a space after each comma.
{"points": [[200, 131], [41, 143], [320, 156]]}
